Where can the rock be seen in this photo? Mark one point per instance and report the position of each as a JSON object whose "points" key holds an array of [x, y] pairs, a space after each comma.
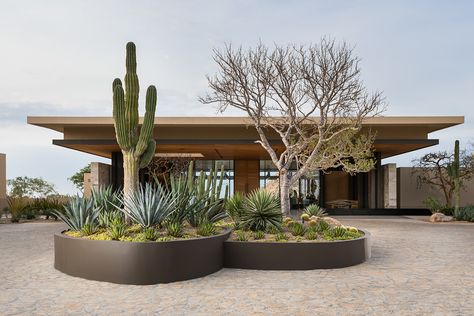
{"points": [[332, 221], [440, 217]]}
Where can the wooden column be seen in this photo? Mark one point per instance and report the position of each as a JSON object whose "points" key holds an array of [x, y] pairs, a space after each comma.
{"points": [[246, 175]]}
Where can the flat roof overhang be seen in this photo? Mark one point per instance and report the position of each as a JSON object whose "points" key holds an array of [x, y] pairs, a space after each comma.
{"points": [[232, 137]]}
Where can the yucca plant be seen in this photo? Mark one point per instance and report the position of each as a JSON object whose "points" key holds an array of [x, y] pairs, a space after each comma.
{"points": [[149, 205], [78, 212], [315, 210], [261, 210]]}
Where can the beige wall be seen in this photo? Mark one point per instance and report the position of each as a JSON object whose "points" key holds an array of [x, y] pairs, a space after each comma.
{"points": [[3, 181], [87, 185], [412, 193], [390, 185]]}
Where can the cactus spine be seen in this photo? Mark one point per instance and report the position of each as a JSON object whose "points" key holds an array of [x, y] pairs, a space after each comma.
{"points": [[137, 144], [453, 171]]}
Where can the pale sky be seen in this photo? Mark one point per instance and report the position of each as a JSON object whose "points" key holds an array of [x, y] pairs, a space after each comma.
{"points": [[60, 57]]}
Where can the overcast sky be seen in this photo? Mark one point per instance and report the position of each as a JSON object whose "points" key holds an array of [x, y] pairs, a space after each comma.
{"points": [[60, 57]]}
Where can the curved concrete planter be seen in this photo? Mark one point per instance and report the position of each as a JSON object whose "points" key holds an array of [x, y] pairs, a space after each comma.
{"points": [[139, 262], [296, 255]]}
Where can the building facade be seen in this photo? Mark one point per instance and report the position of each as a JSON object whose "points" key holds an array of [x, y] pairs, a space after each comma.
{"points": [[230, 141]]}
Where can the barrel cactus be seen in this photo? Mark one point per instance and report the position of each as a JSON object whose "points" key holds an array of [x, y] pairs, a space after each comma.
{"points": [[137, 144]]}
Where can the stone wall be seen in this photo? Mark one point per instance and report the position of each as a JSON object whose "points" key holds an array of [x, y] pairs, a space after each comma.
{"points": [[100, 175], [390, 185]]}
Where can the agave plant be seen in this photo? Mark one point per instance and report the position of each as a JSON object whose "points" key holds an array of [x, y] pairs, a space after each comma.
{"points": [[261, 210], [315, 210], [79, 212], [107, 200], [234, 206], [149, 205]]}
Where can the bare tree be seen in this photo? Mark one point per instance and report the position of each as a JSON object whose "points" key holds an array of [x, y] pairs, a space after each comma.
{"points": [[311, 97], [432, 169]]}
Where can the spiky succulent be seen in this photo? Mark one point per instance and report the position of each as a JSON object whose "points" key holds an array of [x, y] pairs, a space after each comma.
{"points": [[175, 229], [117, 228], [241, 236], [206, 229], [79, 212], [259, 235], [315, 210], [261, 210], [337, 232], [297, 229]]}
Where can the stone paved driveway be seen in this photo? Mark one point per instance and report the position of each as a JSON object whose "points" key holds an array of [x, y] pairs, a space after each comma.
{"points": [[416, 268]]}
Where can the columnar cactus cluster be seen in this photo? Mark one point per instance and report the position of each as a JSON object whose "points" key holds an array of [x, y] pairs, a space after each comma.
{"points": [[137, 144]]}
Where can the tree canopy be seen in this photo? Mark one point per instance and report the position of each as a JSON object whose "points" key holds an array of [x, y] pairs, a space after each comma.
{"points": [[29, 187], [78, 178]]}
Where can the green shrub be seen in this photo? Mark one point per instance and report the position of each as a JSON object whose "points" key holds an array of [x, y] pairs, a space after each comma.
{"points": [[174, 229], [117, 228], [281, 236], [88, 229], [435, 206], [241, 235], [148, 206], [311, 235], [78, 212], [149, 233], [234, 206], [297, 229], [16, 207], [465, 213], [259, 235], [206, 229], [261, 211], [315, 210]]}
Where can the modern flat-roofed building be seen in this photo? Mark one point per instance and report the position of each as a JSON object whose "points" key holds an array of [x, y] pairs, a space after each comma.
{"points": [[231, 141]]}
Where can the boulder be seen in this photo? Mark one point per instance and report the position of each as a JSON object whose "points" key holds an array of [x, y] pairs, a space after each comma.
{"points": [[332, 221], [440, 217]]}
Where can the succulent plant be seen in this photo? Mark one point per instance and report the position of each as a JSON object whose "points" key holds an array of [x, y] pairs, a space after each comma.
{"points": [[174, 229], [234, 206], [117, 229], [313, 223], [323, 226], [79, 212], [281, 236], [148, 205], [311, 235], [352, 229], [241, 235], [337, 232], [297, 229], [137, 143], [259, 235], [261, 210], [305, 217], [150, 233], [206, 229], [88, 229], [315, 210]]}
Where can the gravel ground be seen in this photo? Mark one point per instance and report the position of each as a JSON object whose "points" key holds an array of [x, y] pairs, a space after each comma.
{"points": [[417, 268]]}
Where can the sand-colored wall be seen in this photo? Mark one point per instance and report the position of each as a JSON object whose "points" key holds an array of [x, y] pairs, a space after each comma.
{"points": [[3, 181], [87, 185], [411, 193]]}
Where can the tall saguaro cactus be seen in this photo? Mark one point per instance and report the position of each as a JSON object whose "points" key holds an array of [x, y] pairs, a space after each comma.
{"points": [[137, 144], [453, 171]]}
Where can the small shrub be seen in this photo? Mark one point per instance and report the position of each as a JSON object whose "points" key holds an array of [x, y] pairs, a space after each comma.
{"points": [[465, 213], [281, 236], [16, 207], [311, 235], [259, 235], [117, 229], [206, 229], [241, 235], [150, 233], [315, 210], [174, 229], [88, 229], [297, 229]]}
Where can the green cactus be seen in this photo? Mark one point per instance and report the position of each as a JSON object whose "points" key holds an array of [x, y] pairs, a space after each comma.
{"points": [[453, 172], [137, 144]]}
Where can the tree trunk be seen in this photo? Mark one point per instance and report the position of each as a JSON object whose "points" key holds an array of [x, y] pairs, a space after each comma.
{"points": [[130, 176], [284, 192]]}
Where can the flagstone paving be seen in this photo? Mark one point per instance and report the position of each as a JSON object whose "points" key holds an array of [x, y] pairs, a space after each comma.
{"points": [[417, 268]]}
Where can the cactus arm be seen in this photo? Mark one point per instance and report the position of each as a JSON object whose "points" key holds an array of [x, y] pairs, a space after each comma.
{"points": [[148, 155], [132, 89], [146, 131], [120, 120]]}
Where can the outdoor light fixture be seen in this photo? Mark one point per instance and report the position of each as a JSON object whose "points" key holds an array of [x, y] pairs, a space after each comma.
{"points": [[179, 155]]}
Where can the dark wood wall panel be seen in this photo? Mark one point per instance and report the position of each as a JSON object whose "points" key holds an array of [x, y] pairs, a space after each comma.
{"points": [[246, 175]]}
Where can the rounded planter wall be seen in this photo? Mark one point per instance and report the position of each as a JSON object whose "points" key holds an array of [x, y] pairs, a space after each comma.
{"points": [[296, 255], [139, 262]]}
